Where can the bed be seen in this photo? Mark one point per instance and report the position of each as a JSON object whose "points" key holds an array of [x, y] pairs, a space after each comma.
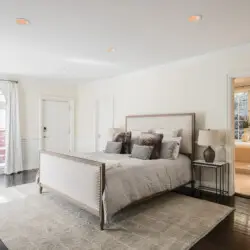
{"points": [[104, 183]]}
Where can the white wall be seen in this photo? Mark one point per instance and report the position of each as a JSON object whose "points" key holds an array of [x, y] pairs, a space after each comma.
{"points": [[31, 89], [193, 85]]}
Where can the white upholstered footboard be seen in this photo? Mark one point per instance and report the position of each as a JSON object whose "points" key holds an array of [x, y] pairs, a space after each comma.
{"points": [[78, 179]]}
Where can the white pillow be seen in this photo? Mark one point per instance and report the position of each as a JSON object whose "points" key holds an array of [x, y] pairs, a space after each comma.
{"points": [[135, 133], [170, 148], [167, 133]]}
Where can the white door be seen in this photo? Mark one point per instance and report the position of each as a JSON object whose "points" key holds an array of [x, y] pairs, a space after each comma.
{"points": [[104, 121], [56, 125]]}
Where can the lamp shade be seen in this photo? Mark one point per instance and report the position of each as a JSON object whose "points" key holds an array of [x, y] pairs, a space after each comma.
{"points": [[209, 138]]}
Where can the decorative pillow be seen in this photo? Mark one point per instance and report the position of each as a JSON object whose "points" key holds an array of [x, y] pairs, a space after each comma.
{"points": [[125, 138], [141, 152], [133, 142], [167, 133], [154, 140], [170, 150], [113, 147], [112, 132], [135, 135]]}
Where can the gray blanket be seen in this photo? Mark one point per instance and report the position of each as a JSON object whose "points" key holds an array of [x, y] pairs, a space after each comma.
{"points": [[129, 179]]}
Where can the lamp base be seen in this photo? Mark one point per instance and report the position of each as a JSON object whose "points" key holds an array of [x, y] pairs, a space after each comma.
{"points": [[209, 154]]}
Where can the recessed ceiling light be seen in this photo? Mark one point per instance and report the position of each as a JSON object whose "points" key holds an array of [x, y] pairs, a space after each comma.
{"points": [[22, 21], [111, 50], [195, 18]]}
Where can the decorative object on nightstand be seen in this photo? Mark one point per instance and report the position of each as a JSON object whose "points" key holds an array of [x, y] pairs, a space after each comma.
{"points": [[218, 166], [209, 138]]}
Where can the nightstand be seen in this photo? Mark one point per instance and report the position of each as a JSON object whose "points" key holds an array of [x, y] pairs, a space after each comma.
{"points": [[221, 169]]}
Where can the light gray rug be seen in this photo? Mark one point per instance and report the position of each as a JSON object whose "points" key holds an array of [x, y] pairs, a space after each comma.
{"points": [[30, 221]]}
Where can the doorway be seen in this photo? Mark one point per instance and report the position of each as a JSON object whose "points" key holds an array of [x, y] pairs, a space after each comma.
{"points": [[241, 114], [57, 124]]}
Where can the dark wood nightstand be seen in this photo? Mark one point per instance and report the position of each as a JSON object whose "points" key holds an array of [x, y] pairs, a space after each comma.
{"points": [[222, 168]]}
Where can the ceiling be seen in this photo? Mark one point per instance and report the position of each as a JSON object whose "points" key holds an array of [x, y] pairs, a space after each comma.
{"points": [[241, 82], [70, 39]]}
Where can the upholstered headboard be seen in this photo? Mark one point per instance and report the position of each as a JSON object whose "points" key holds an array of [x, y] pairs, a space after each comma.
{"points": [[183, 121]]}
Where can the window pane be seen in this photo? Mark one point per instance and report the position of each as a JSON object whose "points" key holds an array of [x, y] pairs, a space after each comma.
{"points": [[236, 134], [2, 130], [241, 124], [240, 112], [241, 132], [2, 118]]}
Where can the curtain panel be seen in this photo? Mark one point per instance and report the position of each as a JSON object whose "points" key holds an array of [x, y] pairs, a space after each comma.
{"points": [[14, 161]]}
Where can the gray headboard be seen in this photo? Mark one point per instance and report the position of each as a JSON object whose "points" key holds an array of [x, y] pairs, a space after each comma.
{"points": [[183, 121]]}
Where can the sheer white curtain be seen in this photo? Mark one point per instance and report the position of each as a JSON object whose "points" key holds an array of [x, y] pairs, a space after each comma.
{"points": [[14, 162]]}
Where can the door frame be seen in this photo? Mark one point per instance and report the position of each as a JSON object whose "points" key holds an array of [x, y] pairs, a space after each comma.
{"points": [[96, 118], [71, 103], [230, 125]]}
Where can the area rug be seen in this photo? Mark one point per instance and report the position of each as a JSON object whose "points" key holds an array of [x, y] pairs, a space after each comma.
{"points": [[31, 221]]}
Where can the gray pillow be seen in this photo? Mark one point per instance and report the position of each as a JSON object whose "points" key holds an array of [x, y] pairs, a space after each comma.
{"points": [[133, 141], [113, 147], [142, 152]]}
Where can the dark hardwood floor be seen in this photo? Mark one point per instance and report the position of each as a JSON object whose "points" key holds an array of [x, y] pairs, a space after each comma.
{"points": [[2, 246], [231, 234], [27, 176]]}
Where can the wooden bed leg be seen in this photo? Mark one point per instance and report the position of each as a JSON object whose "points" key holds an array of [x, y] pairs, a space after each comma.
{"points": [[193, 188], [102, 187], [102, 225], [40, 188], [102, 217]]}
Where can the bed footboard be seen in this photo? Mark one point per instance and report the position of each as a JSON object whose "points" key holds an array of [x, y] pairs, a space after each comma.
{"points": [[78, 179]]}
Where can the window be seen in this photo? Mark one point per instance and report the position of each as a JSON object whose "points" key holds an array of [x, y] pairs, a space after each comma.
{"points": [[240, 113], [2, 130], [2, 111]]}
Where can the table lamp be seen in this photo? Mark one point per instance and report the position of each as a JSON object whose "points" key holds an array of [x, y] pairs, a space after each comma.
{"points": [[209, 138]]}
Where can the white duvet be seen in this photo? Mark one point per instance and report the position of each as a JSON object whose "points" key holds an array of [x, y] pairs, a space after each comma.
{"points": [[129, 179]]}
